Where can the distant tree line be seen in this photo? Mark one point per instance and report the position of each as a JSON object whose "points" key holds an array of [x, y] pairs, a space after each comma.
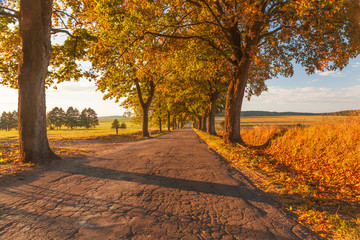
{"points": [[72, 118], [8, 120]]}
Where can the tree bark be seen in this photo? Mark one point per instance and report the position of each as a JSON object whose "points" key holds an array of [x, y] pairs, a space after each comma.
{"points": [[145, 122], [200, 123], [204, 122], [234, 99], [160, 126], [35, 31], [117, 131], [173, 124], [145, 106], [212, 112], [168, 120]]}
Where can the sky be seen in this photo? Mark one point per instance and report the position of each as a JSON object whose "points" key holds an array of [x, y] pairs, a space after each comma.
{"points": [[318, 93]]}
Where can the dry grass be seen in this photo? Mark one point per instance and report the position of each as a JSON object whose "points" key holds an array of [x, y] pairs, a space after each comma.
{"points": [[314, 171]]}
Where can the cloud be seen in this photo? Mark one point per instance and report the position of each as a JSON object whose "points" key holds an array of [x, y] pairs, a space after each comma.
{"points": [[329, 73], [312, 80], [356, 65], [71, 87], [311, 95]]}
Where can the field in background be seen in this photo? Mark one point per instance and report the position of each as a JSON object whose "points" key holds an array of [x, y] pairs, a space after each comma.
{"points": [[104, 128], [280, 121]]}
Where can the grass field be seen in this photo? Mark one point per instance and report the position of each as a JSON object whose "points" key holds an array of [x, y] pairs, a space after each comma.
{"points": [[70, 142], [104, 128]]}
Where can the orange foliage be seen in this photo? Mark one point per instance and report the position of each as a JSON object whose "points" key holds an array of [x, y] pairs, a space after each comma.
{"points": [[327, 154]]}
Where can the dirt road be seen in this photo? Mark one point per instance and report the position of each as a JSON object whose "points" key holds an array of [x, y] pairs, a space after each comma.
{"points": [[170, 187]]}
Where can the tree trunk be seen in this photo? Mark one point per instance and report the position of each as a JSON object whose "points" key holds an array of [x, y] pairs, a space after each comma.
{"points": [[145, 106], [160, 126], [168, 120], [117, 131], [200, 123], [145, 122], [173, 124], [234, 99], [212, 112], [204, 122], [35, 30]]}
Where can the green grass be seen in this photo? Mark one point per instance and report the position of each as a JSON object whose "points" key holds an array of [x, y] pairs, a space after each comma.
{"points": [[103, 129]]}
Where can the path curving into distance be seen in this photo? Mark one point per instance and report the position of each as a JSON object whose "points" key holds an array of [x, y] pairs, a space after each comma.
{"points": [[169, 187]]}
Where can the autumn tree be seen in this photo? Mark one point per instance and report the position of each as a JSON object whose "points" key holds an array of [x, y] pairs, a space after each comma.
{"points": [[25, 54], [202, 72], [263, 39], [127, 66]]}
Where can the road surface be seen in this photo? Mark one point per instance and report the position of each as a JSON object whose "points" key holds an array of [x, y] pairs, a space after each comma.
{"points": [[169, 187]]}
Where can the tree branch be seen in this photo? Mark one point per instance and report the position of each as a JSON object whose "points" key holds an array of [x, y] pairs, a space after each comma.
{"points": [[58, 30], [15, 14], [138, 89], [65, 13], [211, 43]]}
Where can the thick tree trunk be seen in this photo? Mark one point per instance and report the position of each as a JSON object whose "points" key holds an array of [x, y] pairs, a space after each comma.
{"points": [[212, 112], [35, 30], [234, 99], [204, 122], [173, 124], [145, 122], [168, 120]]}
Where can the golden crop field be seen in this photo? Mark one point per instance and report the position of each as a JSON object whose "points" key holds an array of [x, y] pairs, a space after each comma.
{"points": [[281, 121]]}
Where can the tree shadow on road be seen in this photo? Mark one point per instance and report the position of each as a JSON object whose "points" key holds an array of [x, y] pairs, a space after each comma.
{"points": [[240, 190]]}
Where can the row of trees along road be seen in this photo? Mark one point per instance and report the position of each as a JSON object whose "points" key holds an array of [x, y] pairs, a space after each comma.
{"points": [[72, 118], [8, 120], [172, 60]]}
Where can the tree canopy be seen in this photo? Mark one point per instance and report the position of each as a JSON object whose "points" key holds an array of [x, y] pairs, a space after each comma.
{"points": [[177, 60]]}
